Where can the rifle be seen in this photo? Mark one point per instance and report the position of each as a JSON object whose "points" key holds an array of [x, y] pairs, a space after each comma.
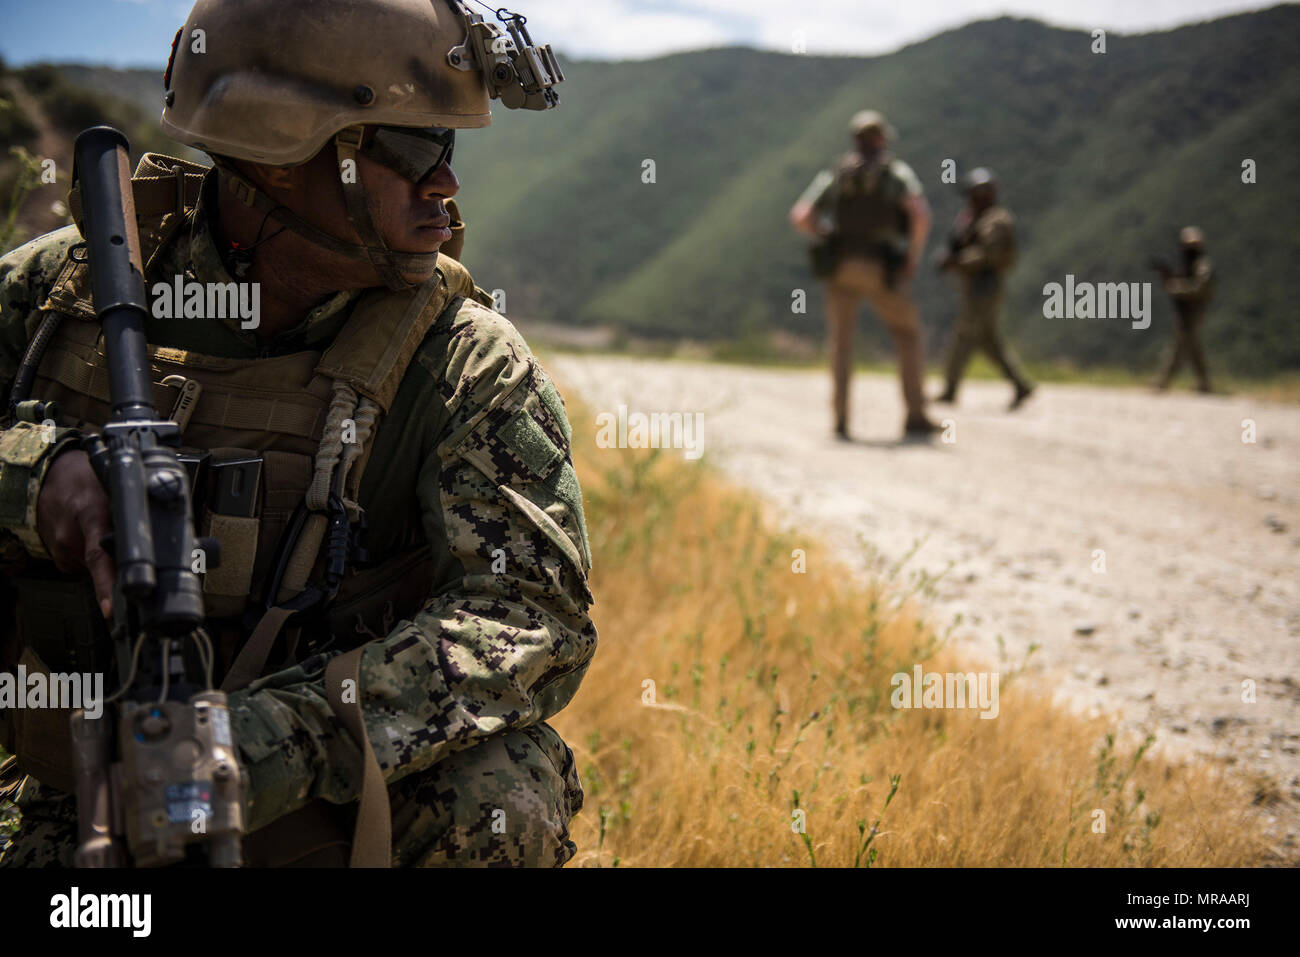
{"points": [[1161, 266], [158, 777]]}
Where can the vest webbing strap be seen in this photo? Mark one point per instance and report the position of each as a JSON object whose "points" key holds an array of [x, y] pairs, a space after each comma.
{"points": [[252, 657], [402, 336], [156, 194], [251, 413], [372, 842]]}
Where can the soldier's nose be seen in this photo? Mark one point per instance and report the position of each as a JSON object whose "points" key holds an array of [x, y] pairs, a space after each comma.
{"points": [[442, 183]]}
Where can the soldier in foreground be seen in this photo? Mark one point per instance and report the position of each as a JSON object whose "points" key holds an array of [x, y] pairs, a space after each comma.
{"points": [[1190, 286], [871, 221], [981, 251], [375, 387]]}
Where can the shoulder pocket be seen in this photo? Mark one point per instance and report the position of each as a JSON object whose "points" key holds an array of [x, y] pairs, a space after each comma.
{"points": [[522, 447]]}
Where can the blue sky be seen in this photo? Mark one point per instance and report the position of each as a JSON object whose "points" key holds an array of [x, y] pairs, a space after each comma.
{"points": [[139, 32]]}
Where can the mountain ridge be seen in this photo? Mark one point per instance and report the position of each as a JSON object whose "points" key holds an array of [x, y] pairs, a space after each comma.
{"points": [[1103, 156]]}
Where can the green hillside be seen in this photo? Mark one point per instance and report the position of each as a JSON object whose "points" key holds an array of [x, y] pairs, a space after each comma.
{"points": [[1103, 157]]}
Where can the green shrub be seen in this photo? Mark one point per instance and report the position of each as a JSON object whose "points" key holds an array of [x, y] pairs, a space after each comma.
{"points": [[16, 128]]}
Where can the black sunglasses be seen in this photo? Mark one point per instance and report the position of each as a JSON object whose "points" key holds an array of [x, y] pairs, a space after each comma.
{"points": [[414, 153]]}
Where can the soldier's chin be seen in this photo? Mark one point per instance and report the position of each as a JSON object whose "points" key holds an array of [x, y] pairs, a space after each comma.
{"points": [[420, 276]]}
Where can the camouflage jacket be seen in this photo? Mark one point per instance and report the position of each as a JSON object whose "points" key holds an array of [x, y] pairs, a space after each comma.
{"points": [[984, 247], [1191, 289], [504, 637]]}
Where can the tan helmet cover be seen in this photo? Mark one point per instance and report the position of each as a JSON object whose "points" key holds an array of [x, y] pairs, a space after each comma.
{"points": [[271, 81], [1191, 237], [871, 120]]}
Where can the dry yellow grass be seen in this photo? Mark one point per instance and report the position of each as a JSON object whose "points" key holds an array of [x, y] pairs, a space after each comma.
{"points": [[772, 689]]}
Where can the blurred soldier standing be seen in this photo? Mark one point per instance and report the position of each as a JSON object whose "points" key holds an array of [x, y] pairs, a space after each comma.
{"points": [[871, 219], [378, 390], [1190, 286], [982, 250]]}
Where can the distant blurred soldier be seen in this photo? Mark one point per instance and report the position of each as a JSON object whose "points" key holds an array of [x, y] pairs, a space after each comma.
{"points": [[981, 251], [872, 222], [1190, 286]]}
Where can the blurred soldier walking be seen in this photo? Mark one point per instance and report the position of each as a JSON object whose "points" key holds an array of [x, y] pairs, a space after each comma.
{"points": [[871, 220], [1190, 286], [982, 250]]}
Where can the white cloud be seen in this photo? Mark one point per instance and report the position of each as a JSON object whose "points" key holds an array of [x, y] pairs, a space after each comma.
{"points": [[613, 29], [620, 29]]}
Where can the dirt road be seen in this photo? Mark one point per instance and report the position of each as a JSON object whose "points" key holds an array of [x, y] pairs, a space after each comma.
{"points": [[1150, 552]]}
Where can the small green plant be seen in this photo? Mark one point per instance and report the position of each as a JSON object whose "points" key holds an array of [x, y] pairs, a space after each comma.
{"points": [[867, 836], [600, 846], [807, 841], [29, 174]]}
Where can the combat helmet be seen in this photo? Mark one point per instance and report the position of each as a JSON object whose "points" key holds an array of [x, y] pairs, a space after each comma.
{"points": [[1191, 237], [980, 176], [865, 120], [275, 81]]}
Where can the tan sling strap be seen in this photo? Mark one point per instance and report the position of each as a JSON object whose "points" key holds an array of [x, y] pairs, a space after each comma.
{"points": [[372, 842], [252, 657]]}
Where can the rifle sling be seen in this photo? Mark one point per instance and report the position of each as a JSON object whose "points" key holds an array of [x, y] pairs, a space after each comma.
{"points": [[373, 839]]}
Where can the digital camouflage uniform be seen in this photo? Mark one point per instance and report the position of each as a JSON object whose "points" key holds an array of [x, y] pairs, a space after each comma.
{"points": [[984, 250], [455, 698]]}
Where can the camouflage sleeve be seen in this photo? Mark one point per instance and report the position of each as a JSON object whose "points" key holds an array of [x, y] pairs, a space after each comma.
{"points": [[504, 643], [26, 276], [911, 182], [818, 193], [1193, 288]]}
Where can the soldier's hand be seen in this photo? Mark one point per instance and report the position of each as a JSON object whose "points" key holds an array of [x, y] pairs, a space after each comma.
{"points": [[72, 515]]}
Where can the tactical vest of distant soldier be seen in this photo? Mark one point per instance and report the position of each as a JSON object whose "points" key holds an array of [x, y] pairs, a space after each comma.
{"points": [[285, 410], [870, 218], [994, 227], [1193, 305]]}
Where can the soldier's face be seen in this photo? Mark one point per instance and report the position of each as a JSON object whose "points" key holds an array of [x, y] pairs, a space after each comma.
{"points": [[982, 197], [871, 142], [411, 217]]}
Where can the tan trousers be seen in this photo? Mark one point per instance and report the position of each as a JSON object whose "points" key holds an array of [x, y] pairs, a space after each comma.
{"points": [[856, 279]]}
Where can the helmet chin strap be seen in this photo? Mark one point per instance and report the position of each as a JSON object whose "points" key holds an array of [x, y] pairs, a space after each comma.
{"points": [[347, 142], [388, 263]]}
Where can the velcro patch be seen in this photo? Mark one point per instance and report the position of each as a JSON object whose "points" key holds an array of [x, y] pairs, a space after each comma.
{"points": [[530, 443]]}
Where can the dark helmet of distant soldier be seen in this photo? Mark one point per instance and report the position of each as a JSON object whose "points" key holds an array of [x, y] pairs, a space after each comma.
{"points": [[866, 121], [979, 177]]}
